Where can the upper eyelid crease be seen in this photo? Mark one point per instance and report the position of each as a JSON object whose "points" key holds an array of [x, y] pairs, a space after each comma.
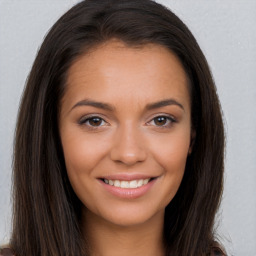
{"points": [[86, 118], [82, 121], [166, 115], [170, 118]]}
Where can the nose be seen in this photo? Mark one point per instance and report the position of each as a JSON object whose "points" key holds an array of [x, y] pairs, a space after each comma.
{"points": [[128, 146]]}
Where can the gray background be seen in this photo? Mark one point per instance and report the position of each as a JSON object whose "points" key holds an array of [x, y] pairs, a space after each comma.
{"points": [[226, 32]]}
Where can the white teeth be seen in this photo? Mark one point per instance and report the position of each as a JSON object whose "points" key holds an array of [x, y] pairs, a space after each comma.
{"points": [[140, 183], [127, 184], [117, 183], [133, 184], [124, 184], [145, 181]]}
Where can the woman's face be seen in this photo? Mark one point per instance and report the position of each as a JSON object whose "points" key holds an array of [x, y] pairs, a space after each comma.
{"points": [[125, 127]]}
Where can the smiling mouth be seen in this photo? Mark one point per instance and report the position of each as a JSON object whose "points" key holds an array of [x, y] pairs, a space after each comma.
{"points": [[127, 184]]}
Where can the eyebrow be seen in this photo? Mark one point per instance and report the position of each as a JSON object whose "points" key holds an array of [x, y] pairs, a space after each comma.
{"points": [[164, 103], [95, 104], [105, 106]]}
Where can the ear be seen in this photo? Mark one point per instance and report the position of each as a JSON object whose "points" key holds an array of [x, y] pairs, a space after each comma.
{"points": [[192, 141]]}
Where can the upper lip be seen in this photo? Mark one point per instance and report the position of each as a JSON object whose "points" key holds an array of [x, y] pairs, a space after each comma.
{"points": [[127, 177]]}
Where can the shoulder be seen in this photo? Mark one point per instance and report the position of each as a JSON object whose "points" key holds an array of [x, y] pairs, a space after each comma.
{"points": [[6, 252]]}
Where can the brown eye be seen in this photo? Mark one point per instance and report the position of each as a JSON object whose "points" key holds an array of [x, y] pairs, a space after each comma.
{"points": [[160, 120], [95, 121]]}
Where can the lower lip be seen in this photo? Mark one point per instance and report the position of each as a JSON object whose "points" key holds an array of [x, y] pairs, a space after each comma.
{"points": [[129, 193]]}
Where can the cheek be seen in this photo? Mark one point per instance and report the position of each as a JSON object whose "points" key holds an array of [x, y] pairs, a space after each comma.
{"points": [[80, 150], [172, 157], [171, 151], [82, 154]]}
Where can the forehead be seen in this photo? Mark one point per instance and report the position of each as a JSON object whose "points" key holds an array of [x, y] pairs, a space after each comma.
{"points": [[114, 70]]}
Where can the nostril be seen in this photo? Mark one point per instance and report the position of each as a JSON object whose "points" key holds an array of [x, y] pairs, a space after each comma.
{"points": [[120, 155]]}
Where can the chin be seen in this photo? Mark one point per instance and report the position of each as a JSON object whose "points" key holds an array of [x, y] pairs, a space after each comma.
{"points": [[128, 216]]}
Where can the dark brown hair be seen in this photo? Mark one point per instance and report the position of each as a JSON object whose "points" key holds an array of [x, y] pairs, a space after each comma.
{"points": [[46, 210]]}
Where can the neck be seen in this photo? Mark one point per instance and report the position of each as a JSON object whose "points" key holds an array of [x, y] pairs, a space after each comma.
{"points": [[108, 239]]}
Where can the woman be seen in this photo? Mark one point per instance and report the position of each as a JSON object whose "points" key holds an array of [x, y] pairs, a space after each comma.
{"points": [[119, 141]]}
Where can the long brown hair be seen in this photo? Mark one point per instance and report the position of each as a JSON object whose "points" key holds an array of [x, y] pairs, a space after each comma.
{"points": [[46, 210]]}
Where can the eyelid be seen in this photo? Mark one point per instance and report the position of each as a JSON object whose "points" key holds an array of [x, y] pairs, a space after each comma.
{"points": [[171, 119], [85, 118]]}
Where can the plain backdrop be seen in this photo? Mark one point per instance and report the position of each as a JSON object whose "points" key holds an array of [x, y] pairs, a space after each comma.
{"points": [[226, 32]]}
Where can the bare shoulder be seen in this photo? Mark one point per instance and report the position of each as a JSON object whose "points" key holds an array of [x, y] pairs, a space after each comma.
{"points": [[6, 252]]}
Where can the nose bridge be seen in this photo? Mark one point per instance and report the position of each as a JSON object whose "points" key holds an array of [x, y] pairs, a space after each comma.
{"points": [[128, 146]]}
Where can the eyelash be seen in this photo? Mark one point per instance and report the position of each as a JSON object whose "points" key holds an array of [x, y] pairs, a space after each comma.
{"points": [[169, 121], [87, 119]]}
